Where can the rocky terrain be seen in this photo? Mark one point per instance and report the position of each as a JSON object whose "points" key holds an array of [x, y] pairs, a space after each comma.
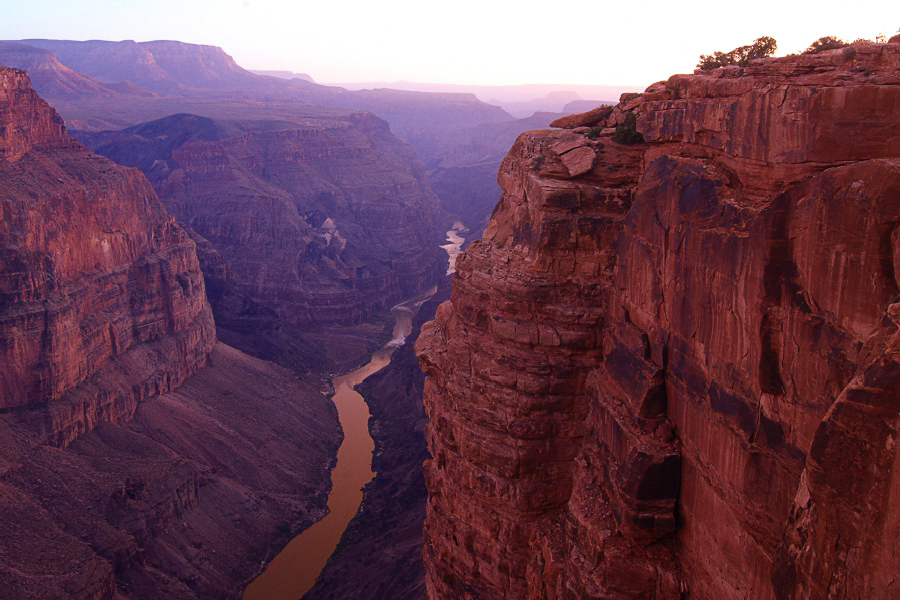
{"points": [[667, 369], [138, 458], [460, 140], [321, 221], [57, 80], [103, 298], [187, 77]]}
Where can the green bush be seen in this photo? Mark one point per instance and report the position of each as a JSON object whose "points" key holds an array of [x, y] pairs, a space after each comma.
{"points": [[741, 56], [594, 133], [828, 42], [627, 132], [537, 162]]}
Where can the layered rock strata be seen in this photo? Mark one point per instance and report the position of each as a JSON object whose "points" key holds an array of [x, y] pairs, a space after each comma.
{"points": [[666, 370], [323, 221], [102, 301], [113, 483]]}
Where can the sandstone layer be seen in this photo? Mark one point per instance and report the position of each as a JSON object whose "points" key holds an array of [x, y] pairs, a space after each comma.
{"points": [[113, 483], [102, 301], [667, 370]]}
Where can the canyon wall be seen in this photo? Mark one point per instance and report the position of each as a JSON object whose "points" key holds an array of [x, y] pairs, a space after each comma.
{"points": [[321, 221], [668, 369], [103, 301], [138, 458]]}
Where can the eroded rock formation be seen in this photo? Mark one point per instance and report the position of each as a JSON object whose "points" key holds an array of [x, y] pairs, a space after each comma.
{"points": [[113, 483], [103, 301], [668, 370], [321, 221]]}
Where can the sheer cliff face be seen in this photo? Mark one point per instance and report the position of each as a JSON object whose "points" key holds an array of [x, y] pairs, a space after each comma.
{"points": [[668, 368], [102, 297], [322, 222]]}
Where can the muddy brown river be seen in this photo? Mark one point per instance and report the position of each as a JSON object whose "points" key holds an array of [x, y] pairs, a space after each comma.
{"points": [[294, 570]]}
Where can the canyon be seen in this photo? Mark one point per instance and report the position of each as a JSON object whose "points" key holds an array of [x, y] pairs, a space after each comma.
{"points": [[107, 86], [138, 456], [668, 368], [321, 221]]}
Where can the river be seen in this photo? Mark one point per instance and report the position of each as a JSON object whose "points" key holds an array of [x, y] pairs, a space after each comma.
{"points": [[454, 244], [294, 570]]}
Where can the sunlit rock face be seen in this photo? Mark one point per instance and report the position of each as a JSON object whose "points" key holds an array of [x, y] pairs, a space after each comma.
{"points": [[102, 301], [669, 367]]}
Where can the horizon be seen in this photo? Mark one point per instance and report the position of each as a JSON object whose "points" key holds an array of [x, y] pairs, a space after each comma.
{"points": [[476, 44]]}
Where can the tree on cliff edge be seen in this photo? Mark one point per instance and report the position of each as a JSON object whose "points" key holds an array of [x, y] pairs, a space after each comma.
{"points": [[828, 42], [741, 56]]}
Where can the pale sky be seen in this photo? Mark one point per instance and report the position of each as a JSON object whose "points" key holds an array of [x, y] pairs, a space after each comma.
{"points": [[481, 42]]}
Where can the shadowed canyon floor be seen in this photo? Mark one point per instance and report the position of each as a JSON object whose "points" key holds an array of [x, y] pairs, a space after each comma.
{"points": [[295, 569]]}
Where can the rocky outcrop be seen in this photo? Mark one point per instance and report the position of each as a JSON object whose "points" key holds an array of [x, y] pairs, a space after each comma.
{"points": [[103, 302], [322, 221], [665, 371]]}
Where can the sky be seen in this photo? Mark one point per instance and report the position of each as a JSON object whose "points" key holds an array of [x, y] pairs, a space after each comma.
{"points": [[476, 42]]}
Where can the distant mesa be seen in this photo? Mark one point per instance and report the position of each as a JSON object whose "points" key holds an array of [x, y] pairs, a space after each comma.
{"points": [[583, 106], [284, 75], [552, 102], [56, 80], [161, 66]]}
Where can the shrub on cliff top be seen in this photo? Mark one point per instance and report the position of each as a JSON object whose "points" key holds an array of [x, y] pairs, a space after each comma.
{"points": [[828, 42], [627, 132], [741, 56]]}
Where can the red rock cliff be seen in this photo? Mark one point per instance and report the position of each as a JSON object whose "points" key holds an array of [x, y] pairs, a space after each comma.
{"points": [[669, 369], [101, 297]]}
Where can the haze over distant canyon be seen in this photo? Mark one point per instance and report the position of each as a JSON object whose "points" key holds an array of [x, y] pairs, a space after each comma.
{"points": [[664, 365]]}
